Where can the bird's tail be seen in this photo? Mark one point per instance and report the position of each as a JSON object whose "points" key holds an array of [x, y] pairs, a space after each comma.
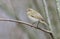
{"points": [[45, 23]]}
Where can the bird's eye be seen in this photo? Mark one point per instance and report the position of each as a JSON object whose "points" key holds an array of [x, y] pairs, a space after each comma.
{"points": [[42, 20], [32, 16], [29, 10]]}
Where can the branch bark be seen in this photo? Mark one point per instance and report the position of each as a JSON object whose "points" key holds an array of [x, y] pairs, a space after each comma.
{"points": [[17, 21]]}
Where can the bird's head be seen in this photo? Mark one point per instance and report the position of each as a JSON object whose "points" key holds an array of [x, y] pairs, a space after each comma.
{"points": [[30, 12]]}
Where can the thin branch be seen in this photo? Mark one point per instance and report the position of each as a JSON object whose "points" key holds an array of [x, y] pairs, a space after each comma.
{"points": [[46, 11], [11, 20], [48, 18]]}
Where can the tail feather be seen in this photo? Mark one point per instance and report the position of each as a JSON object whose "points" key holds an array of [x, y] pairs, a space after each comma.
{"points": [[46, 24]]}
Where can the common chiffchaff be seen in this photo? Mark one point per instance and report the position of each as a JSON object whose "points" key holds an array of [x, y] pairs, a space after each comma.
{"points": [[35, 16]]}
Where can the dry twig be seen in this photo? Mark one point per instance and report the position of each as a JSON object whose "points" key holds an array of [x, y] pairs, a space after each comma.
{"points": [[11, 20]]}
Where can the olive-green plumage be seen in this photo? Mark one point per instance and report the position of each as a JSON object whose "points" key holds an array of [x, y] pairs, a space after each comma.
{"points": [[32, 14]]}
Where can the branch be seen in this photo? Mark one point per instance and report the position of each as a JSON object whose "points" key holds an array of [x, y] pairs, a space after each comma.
{"points": [[10, 20], [48, 18]]}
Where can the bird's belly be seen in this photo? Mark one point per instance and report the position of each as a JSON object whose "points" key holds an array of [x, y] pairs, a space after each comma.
{"points": [[33, 19]]}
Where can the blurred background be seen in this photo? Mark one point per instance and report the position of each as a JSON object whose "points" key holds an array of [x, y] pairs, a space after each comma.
{"points": [[16, 9]]}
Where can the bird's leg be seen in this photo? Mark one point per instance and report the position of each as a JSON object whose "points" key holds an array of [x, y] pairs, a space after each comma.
{"points": [[33, 23], [38, 24]]}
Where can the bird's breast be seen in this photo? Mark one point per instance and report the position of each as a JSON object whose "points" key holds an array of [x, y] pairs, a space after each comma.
{"points": [[33, 19]]}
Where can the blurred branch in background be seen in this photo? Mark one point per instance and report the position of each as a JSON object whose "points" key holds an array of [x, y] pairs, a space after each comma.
{"points": [[53, 17], [46, 11], [48, 18]]}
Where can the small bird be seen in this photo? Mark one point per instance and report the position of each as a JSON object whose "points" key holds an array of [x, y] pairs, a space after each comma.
{"points": [[35, 16]]}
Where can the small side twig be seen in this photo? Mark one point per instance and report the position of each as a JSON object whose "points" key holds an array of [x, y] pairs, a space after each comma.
{"points": [[11, 20]]}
